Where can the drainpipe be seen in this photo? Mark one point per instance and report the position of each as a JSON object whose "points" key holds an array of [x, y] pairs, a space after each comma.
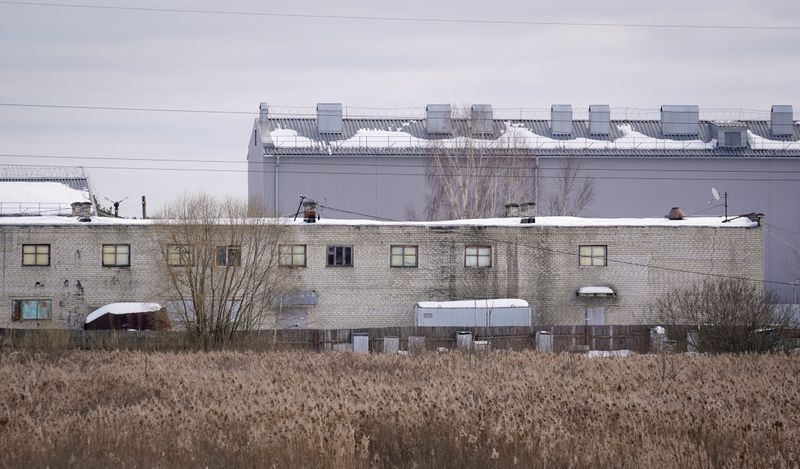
{"points": [[276, 184], [536, 185]]}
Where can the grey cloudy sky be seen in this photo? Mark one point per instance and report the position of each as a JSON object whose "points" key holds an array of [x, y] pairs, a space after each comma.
{"points": [[73, 56]]}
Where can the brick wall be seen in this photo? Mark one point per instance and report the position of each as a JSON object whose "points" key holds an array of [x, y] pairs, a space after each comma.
{"points": [[536, 263]]}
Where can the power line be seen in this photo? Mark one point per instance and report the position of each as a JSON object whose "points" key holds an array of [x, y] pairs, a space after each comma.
{"points": [[123, 108], [299, 162], [411, 19], [418, 174]]}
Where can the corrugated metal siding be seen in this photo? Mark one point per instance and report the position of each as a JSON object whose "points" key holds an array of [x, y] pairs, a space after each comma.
{"points": [[472, 317]]}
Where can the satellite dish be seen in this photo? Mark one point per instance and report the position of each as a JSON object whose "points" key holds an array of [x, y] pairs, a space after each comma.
{"points": [[714, 193]]}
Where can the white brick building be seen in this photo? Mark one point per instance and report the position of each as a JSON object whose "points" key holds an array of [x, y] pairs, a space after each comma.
{"points": [[53, 271]]}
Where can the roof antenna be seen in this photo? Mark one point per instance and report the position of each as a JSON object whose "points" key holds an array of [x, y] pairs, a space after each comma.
{"points": [[116, 203], [715, 194]]}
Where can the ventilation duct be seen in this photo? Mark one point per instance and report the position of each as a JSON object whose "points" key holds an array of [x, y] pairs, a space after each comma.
{"points": [[600, 119], [729, 134], [683, 120], [781, 122], [438, 120], [482, 119], [329, 118], [561, 119]]}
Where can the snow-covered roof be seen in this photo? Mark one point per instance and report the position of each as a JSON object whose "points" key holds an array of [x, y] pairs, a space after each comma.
{"points": [[490, 303], [122, 308], [595, 291], [21, 197], [541, 222]]}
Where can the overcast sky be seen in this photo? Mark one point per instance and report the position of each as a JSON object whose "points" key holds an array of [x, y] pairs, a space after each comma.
{"points": [[89, 57]]}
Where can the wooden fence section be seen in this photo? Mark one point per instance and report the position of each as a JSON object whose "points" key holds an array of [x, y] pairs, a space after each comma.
{"points": [[564, 338]]}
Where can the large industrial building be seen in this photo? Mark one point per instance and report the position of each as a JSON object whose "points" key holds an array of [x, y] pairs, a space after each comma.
{"points": [[376, 165]]}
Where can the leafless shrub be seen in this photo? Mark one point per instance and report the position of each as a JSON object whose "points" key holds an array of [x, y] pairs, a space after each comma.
{"points": [[727, 315], [572, 192]]}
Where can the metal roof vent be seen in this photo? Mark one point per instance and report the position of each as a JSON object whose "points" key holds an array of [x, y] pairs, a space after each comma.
{"points": [[729, 134], [599, 119], [781, 122], [263, 112], [438, 119], [482, 119], [329, 118], [561, 119], [682, 120], [676, 214]]}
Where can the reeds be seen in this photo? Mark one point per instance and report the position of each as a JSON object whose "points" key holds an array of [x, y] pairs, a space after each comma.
{"points": [[290, 409]]}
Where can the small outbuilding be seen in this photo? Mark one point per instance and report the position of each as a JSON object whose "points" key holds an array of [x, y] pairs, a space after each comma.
{"points": [[474, 313], [125, 316]]}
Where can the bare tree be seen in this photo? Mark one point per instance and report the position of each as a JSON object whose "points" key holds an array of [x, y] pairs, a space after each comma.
{"points": [[573, 192], [474, 176], [727, 315], [220, 266]]}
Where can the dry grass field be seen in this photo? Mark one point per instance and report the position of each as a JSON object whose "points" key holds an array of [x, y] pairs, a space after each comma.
{"points": [[230, 409]]}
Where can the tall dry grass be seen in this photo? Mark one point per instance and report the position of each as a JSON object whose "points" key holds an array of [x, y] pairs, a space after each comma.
{"points": [[229, 409]]}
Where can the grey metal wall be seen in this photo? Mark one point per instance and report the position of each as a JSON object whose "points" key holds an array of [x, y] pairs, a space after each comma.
{"points": [[472, 317]]}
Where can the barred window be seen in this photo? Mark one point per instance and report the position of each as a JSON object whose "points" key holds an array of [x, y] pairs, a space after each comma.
{"points": [[403, 256], [116, 255]]}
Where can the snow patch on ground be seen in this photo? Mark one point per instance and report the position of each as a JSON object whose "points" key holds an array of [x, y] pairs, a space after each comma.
{"points": [[608, 354]]}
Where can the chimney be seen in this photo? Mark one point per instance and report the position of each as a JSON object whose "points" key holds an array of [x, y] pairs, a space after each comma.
{"points": [[82, 210], [781, 121], [438, 119], [482, 119], [512, 210], [144, 208], [680, 121], [561, 119], [310, 211], [329, 118], [676, 214], [263, 112], [600, 120], [527, 211]]}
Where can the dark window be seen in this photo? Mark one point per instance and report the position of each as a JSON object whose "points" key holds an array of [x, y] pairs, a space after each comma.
{"points": [[36, 254], [340, 256], [116, 255], [592, 256], [403, 256], [229, 256], [31, 309], [733, 139]]}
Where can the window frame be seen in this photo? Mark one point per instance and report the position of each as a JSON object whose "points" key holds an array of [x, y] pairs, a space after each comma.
{"points": [[36, 255], [403, 254], [592, 256], [17, 313], [183, 255], [478, 256], [344, 255], [291, 254], [116, 255], [232, 251]]}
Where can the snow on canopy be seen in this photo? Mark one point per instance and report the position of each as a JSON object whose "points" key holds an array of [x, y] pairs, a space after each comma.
{"points": [[491, 303], [595, 291], [122, 308]]}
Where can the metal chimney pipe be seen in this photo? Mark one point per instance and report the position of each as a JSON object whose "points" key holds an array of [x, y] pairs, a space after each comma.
{"points": [[144, 208]]}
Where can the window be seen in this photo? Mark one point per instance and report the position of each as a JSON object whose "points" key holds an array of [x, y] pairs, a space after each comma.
{"points": [[229, 256], [292, 255], [31, 309], [340, 256], [403, 256], [592, 256], [478, 256], [116, 255], [178, 255], [35, 254]]}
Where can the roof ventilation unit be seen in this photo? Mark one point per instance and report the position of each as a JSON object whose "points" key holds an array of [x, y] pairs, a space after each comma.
{"points": [[482, 119], [676, 213], [561, 119], [263, 112], [438, 119], [729, 134], [329, 118], [682, 120], [781, 121], [599, 119]]}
